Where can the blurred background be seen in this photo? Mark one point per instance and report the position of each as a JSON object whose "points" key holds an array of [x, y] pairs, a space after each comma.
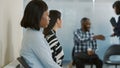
{"points": [[99, 12]]}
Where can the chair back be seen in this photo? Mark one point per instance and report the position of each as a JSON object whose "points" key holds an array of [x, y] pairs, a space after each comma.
{"points": [[112, 50], [23, 62]]}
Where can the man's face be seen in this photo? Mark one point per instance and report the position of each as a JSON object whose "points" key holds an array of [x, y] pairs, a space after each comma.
{"points": [[86, 25]]}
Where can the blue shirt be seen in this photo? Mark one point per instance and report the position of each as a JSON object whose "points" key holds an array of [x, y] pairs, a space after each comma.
{"points": [[36, 50]]}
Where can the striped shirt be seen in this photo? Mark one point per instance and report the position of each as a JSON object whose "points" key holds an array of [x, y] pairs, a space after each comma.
{"points": [[83, 41], [56, 48]]}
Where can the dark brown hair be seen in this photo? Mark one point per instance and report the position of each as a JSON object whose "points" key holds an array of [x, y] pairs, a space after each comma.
{"points": [[54, 15], [84, 20], [33, 13], [117, 6]]}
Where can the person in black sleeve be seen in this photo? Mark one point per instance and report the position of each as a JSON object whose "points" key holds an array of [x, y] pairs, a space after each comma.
{"points": [[116, 7]]}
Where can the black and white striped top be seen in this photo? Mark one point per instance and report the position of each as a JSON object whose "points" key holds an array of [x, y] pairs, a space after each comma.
{"points": [[83, 41], [56, 48]]}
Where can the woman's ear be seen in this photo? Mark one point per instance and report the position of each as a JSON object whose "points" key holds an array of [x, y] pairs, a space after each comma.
{"points": [[57, 20]]}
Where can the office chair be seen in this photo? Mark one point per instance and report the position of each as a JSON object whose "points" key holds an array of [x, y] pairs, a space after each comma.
{"points": [[72, 63], [23, 62], [111, 51]]}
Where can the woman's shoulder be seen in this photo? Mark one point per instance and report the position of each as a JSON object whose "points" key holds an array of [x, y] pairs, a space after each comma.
{"points": [[77, 31], [50, 37], [35, 37], [33, 34], [51, 34]]}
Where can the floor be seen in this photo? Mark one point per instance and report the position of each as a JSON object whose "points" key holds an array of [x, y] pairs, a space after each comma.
{"points": [[66, 65]]}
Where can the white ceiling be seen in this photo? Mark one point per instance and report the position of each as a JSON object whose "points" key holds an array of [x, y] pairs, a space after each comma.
{"points": [[85, 0]]}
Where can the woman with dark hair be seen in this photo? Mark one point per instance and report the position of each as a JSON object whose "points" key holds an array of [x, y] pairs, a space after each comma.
{"points": [[35, 49], [50, 35]]}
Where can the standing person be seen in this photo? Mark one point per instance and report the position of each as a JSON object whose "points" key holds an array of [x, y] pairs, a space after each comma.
{"points": [[35, 49], [85, 45], [50, 35], [116, 7]]}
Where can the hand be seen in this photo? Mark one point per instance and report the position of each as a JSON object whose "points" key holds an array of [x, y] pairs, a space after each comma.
{"points": [[112, 35], [90, 52], [113, 27], [112, 19], [99, 37]]}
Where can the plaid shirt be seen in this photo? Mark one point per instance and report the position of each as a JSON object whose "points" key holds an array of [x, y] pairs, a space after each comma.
{"points": [[83, 41]]}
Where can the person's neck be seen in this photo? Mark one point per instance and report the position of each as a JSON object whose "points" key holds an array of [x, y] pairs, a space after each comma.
{"points": [[83, 30], [55, 29]]}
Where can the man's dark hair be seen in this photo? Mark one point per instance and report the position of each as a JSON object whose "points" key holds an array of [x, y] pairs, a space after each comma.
{"points": [[54, 15], [84, 20], [33, 13], [117, 6]]}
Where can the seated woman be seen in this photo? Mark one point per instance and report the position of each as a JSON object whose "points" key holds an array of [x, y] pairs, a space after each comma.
{"points": [[35, 49], [50, 35]]}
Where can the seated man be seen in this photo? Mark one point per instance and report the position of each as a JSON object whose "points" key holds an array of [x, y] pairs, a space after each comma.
{"points": [[85, 46]]}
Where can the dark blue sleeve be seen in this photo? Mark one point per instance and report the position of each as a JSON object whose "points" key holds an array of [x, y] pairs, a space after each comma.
{"points": [[117, 28]]}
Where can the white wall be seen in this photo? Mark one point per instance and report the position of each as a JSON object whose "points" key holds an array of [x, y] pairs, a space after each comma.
{"points": [[10, 30], [72, 12]]}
